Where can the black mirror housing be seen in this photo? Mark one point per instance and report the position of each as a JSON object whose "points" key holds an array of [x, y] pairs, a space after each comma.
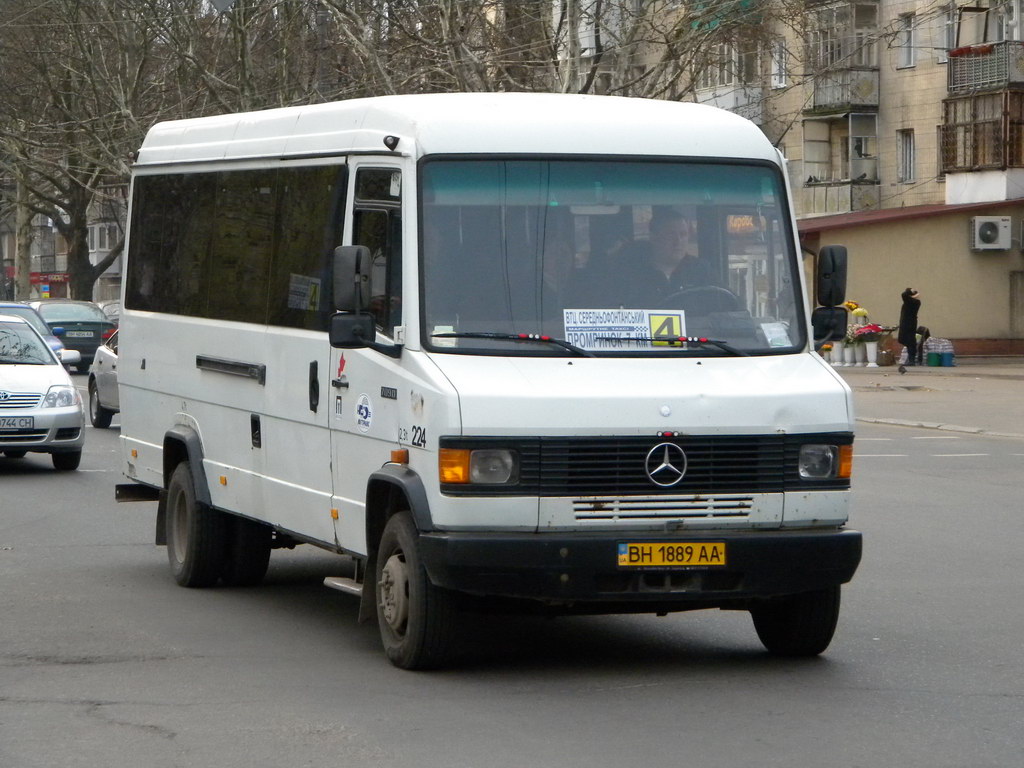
{"points": [[829, 324], [352, 268], [351, 330], [830, 276]]}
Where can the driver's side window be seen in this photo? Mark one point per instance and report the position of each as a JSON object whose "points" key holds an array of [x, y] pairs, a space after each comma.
{"points": [[377, 224]]}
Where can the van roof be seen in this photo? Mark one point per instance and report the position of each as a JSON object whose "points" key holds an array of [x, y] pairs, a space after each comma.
{"points": [[463, 123]]}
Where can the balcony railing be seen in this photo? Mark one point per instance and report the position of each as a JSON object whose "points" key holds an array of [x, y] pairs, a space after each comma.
{"points": [[983, 131], [845, 89], [985, 67], [836, 197]]}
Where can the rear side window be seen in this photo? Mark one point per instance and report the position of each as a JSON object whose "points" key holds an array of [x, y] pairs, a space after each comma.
{"points": [[251, 246]]}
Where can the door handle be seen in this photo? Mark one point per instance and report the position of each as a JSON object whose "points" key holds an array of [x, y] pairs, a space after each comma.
{"points": [[314, 386]]}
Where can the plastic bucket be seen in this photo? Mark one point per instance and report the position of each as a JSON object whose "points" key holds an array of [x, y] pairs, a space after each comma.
{"points": [[947, 359], [933, 359]]}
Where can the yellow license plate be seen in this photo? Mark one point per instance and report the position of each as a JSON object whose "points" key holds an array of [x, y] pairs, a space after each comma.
{"points": [[672, 554]]}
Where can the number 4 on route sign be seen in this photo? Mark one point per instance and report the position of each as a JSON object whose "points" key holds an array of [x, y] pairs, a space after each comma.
{"points": [[666, 327]]}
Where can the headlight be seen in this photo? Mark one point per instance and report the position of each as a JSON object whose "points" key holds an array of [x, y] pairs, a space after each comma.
{"points": [[483, 466], [61, 396], [820, 462]]}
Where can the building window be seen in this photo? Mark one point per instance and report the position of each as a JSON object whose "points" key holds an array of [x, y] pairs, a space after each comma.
{"points": [[905, 41], [779, 64], [905, 156], [946, 32]]}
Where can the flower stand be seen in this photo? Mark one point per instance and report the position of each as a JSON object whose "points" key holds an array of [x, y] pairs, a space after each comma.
{"points": [[837, 354], [861, 353], [849, 355], [871, 350]]}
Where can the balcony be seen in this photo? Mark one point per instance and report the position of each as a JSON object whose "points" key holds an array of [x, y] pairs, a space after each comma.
{"points": [[986, 67], [744, 100], [824, 198], [844, 90], [982, 131]]}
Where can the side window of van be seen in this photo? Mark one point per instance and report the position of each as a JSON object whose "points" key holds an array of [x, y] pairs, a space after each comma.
{"points": [[377, 224]]}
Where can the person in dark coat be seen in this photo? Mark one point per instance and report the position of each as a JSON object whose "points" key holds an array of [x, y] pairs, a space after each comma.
{"points": [[907, 335]]}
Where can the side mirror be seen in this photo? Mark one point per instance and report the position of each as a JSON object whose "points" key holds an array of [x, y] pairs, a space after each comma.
{"points": [[829, 324], [70, 356], [352, 331], [830, 276], [352, 268]]}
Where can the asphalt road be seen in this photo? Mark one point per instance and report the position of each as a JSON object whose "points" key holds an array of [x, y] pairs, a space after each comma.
{"points": [[104, 661]]}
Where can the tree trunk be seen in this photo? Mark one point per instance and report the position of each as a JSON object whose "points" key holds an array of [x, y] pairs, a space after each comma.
{"points": [[23, 234]]}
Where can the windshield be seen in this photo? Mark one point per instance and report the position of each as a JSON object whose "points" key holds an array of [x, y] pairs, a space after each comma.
{"points": [[614, 257], [29, 315], [60, 312], [20, 345]]}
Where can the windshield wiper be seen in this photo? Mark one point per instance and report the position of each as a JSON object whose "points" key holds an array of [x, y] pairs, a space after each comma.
{"points": [[672, 340], [535, 337]]}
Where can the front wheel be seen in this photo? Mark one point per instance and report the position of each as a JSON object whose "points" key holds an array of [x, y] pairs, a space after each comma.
{"points": [[798, 625], [195, 533], [98, 415], [416, 619], [67, 460]]}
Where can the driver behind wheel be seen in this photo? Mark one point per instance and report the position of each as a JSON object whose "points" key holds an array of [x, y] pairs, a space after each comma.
{"points": [[666, 262]]}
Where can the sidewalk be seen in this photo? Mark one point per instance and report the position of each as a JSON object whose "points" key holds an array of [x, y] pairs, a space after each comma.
{"points": [[983, 395]]}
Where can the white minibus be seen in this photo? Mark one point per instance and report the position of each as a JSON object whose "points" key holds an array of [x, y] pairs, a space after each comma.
{"points": [[538, 352]]}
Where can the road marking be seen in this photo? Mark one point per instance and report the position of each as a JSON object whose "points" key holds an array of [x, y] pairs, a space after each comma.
{"points": [[936, 437], [959, 454], [879, 455]]}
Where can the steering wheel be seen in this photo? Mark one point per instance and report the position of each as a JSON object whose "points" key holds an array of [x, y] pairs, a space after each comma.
{"points": [[704, 299]]}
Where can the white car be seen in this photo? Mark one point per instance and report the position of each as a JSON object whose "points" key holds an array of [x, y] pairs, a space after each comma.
{"points": [[103, 399], [40, 408]]}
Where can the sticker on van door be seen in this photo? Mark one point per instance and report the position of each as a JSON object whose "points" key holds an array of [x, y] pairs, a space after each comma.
{"points": [[364, 413]]}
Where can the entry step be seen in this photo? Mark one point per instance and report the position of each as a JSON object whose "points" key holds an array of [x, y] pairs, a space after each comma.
{"points": [[344, 584]]}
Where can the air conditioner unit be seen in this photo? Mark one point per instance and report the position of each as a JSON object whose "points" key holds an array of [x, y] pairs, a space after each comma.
{"points": [[990, 233]]}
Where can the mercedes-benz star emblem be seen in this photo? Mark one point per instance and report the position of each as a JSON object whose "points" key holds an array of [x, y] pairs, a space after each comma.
{"points": [[665, 464]]}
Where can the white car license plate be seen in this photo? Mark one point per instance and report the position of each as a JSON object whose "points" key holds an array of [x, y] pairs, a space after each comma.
{"points": [[8, 423], [79, 334]]}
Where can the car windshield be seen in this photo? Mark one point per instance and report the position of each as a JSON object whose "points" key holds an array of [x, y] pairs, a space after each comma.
{"points": [[20, 345], [75, 313], [614, 257], [29, 315]]}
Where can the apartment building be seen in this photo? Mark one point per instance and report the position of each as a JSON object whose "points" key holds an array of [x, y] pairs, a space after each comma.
{"points": [[903, 121]]}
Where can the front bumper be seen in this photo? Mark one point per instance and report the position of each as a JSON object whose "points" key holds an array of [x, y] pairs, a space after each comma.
{"points": [[53, 430], [571, 568]]}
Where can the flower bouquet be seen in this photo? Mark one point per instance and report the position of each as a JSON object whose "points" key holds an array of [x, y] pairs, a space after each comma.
{"points": [[868, 332]]}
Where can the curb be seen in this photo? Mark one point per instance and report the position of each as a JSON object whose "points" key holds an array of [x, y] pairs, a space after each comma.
{"points": [[939, 426]]}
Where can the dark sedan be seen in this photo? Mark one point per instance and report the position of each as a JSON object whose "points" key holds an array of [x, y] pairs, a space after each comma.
{"points": [[85, 326]]}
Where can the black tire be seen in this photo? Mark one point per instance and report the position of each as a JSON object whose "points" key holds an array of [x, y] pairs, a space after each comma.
{"points": [[417, 620], [15, 454], [98, 415], [66, 461], [195, 533], [247, 552], [798, 625]]}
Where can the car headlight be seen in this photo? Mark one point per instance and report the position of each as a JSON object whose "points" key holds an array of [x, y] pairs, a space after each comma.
{"points": [[821, 462], [483, 466], [61, 396]]}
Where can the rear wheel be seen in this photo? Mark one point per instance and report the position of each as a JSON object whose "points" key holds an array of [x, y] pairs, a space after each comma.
{"points": [[247, 552], [195, 533], [798, 625], [67, 460], [417, 620], [98, 415]]}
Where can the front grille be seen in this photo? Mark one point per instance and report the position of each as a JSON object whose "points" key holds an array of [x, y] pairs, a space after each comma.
{"points": [[19, 400], [715, 507], [24, 436], [615, 466]]}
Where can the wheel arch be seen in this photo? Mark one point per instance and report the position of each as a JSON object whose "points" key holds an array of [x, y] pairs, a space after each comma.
{"points": [[181, 443], [391, 489]]}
